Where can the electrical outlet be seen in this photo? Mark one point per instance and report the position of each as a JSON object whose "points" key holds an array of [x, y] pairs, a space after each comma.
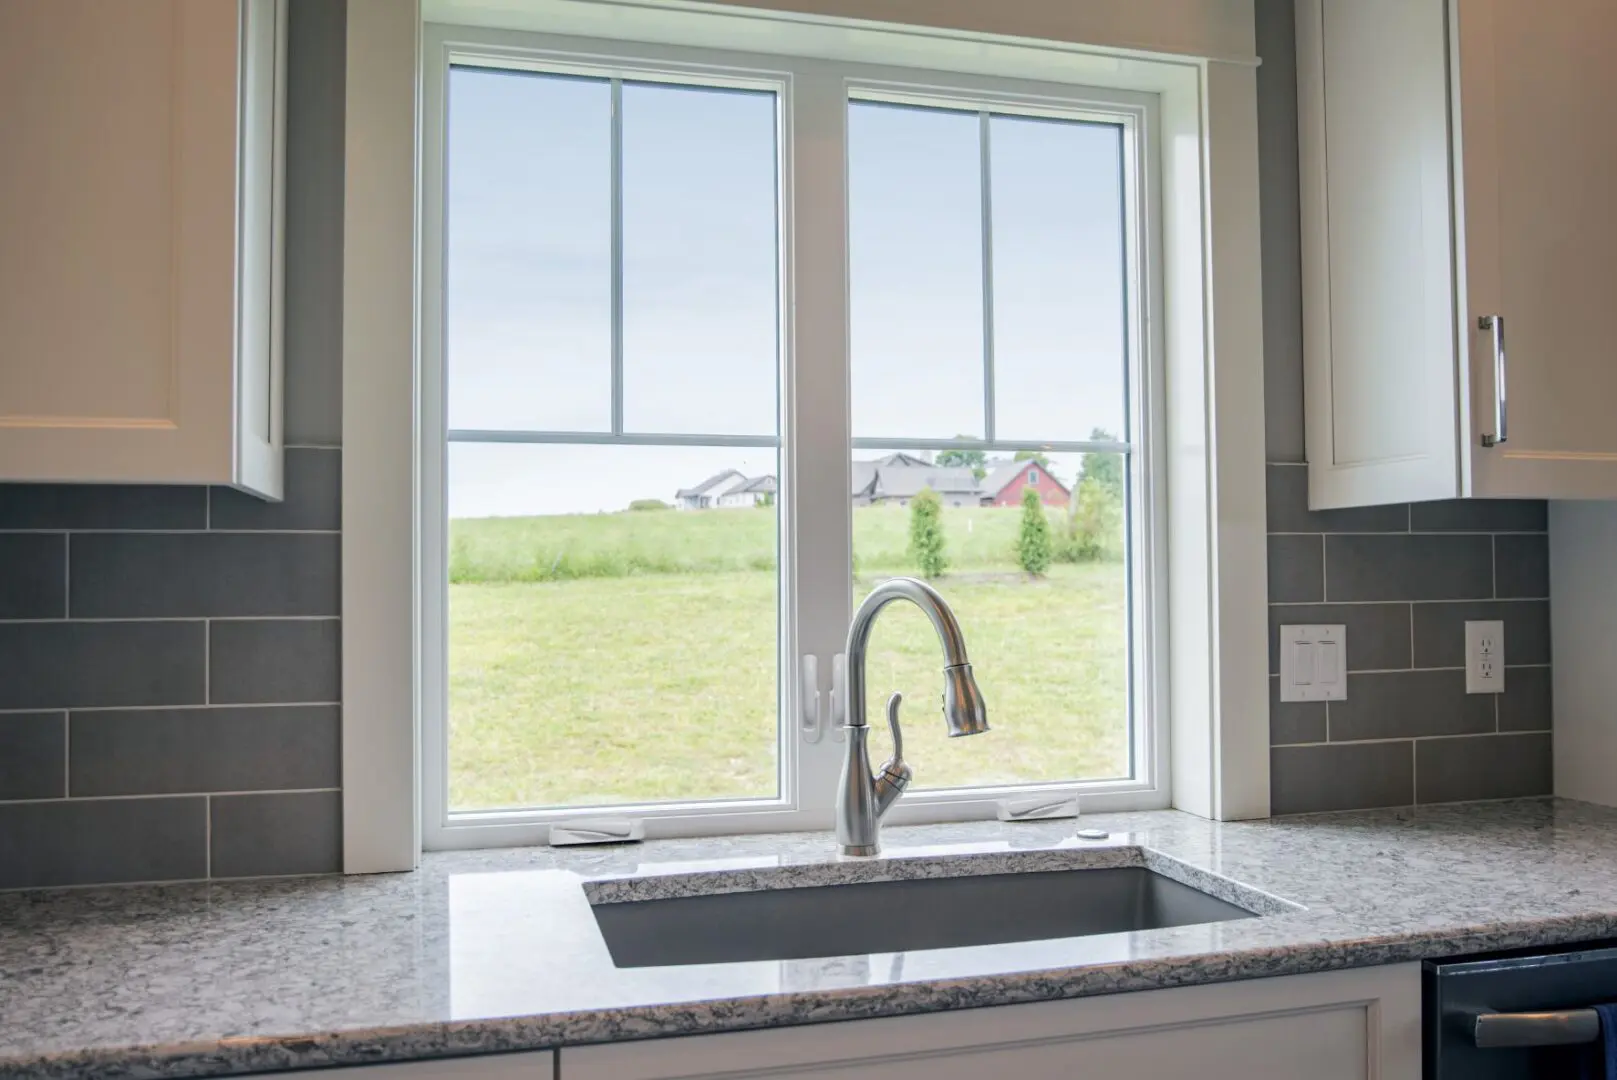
{"points": [[1485, 657]]}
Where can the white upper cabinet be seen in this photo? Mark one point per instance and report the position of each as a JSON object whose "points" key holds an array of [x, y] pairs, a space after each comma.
{"points": [[1459, 248], [140, 241]]}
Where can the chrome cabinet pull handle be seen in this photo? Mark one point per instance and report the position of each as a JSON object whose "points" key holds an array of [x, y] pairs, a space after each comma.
{"points": [[1496, 323], [1564, 1027]]}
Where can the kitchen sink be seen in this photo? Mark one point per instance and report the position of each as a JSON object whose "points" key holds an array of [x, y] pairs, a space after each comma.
{"points": [[900, 916]]}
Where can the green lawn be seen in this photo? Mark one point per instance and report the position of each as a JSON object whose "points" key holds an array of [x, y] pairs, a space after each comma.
{"points": [[663, 685]]}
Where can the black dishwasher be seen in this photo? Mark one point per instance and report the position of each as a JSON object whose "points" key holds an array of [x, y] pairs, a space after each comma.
{"points": [[1511, 1016]]}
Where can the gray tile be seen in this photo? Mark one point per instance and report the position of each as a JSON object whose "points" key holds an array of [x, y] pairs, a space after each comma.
{"points": [[1288, 509], [1408, 567], [1403, 704], [1279, 221], [1481, 515], [1440, 630], [1377, 634], [33, 575], [316, 58], [135, 575], [33, 756], [96, 841], [62, 665], [174, 751], [1482, 767], [293, 660], [1527, 702], [1344, 776], [101, 506], [313, 497], [1294, 721], [1296, 570], [1522, 566], [258, 835]]}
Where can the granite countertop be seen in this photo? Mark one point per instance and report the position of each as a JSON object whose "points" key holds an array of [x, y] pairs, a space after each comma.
{"points": [[498, 951]]}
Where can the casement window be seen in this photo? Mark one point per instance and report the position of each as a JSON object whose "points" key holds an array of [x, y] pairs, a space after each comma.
{"points": [[698, 327]]}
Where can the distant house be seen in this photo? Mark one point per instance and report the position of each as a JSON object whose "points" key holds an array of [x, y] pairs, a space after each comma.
{"points": [[897, 478], [726, 490], [1004, 486]]}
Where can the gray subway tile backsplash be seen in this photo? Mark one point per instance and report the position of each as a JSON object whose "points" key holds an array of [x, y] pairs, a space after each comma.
{"points": [[33, 575], [102, 506], [283, 833], [95, 841], [33, 755], [313, 497], [274, 660], [1404, 578], [1296, 569], [67, 665], [1288, 508], [167, 575], [1522, 565], [1408, 566], [1480, 515], [188, 751], [131, 693], [1489, 767], [1407, 704], [1440, 630], [1341, 776], [1525, 705], [1378, 634]]}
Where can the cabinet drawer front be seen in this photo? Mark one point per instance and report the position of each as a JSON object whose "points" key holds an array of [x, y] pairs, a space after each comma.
{"points": [[538, 1065]]}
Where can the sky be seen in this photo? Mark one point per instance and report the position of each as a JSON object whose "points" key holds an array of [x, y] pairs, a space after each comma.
{"points": [[528, 313]]}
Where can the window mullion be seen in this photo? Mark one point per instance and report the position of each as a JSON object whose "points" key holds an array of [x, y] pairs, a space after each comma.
{"points": [[817, 432], [987, 191], [617, 256]]}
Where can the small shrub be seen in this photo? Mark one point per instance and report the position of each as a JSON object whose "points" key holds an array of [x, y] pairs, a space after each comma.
{"points": [[926, 534], [1094, 525], [1033, 547], [649, 504]]}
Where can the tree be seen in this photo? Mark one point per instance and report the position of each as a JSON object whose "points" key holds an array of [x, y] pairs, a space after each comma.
{"points": [[1105, 469], [926, 534], [975, 460], [1033, 537]]}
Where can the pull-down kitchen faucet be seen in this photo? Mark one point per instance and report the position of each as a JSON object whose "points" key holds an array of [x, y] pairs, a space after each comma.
{"points": [[862, 798]]}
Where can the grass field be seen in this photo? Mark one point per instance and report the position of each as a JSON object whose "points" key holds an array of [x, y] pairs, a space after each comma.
{"points": [[654, 675]]}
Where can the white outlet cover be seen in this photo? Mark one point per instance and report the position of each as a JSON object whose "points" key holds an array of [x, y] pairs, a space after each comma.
{"points": [[1485, 657], [1313, 663]]}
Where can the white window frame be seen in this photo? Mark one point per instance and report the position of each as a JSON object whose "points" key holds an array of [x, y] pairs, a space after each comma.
{"points": [[1211, 468], [813, 94]]}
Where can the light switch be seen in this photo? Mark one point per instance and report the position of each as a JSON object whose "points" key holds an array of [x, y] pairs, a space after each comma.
{"points": [[1313, 663]]}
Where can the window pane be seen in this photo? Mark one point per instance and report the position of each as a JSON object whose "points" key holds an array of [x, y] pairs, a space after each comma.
{"points": [[528, 245], [1058, 271], [700, 338], [1050, 650], [915, 266], [605, 647]]}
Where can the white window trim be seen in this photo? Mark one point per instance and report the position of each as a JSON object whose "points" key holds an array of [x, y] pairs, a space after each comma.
{"points": [[1216, 631]]}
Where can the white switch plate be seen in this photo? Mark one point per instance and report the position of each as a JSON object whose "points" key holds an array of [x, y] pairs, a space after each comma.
{"points": [[1485, 657], [1313, 663]]}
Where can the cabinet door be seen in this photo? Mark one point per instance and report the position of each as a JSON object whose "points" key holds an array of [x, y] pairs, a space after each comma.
{"points": [[1354, 1025], [139, 241], [1538, 145], [537, 1065]]}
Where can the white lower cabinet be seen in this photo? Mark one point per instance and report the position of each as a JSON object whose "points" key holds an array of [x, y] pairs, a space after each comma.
{"points": [[1347, 1025], [534, 1065]]}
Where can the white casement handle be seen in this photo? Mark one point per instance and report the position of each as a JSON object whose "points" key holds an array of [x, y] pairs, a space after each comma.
{"points": [[812, 701], [1501, 431]]}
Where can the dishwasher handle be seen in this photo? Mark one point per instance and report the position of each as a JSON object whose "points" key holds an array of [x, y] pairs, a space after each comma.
{"points": [[1562, 1027]]}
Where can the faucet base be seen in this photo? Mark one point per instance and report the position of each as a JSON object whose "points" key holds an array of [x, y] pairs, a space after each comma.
{"points": [[864, 851]]}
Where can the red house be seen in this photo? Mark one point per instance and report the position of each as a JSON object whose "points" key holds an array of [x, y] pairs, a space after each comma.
{"points": [[1004, 486]]}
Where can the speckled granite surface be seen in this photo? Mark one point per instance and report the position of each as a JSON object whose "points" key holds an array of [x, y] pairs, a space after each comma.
{"points": [[492, 951]]}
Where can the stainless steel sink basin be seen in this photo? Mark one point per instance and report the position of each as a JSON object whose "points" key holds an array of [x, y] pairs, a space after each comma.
{"points": [[899, 916]]}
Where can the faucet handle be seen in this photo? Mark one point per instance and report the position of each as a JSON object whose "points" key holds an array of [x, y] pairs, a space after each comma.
{"points": [[892, 725]]}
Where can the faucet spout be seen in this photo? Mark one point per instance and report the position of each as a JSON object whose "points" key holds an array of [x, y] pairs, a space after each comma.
{"points": [[862, 799]]}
